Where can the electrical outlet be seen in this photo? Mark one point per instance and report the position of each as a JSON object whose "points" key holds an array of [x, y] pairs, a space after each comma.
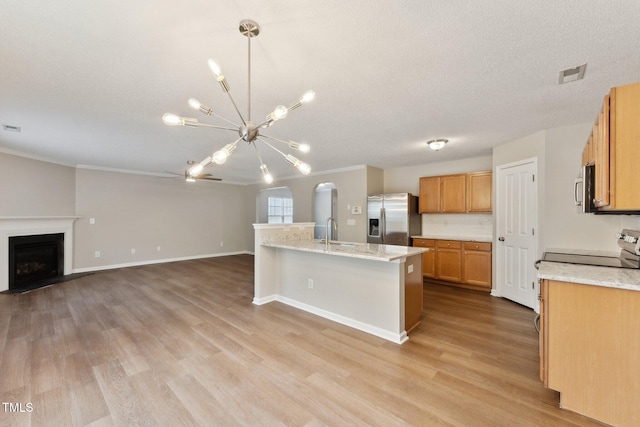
{"points": [[92, 221], [221, 244], [158, 248], [97, 254], [310, 283], [133, 251]]}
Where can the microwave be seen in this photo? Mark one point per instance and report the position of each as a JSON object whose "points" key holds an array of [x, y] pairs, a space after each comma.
{"points": [[584, 190]]}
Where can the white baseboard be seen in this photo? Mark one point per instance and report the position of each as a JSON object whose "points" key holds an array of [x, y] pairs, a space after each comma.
{"points": [[347, 321], [155, 261], [265, 300]]}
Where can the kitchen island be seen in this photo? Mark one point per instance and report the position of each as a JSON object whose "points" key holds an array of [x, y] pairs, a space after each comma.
{"points": [[374, 288]]}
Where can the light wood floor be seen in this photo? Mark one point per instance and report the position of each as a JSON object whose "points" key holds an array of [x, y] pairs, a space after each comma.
{"points": [[182, 344]]}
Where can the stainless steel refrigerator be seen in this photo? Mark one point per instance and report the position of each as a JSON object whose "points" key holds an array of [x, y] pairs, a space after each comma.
{"points": [[392, 219]]}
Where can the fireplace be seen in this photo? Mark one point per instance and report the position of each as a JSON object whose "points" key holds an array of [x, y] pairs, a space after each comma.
{"points": [[34, 259]]}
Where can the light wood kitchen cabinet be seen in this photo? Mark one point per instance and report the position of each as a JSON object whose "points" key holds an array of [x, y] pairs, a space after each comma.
{"points": [[455, 262], [590, 349], [453, 193], [449, 260], [429, 201], [614, 147], [459, 193], [428, 258], [477, 264], [479, 198]]}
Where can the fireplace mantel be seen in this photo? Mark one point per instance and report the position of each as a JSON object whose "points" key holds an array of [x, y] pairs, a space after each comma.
{"points": [[11, 226]]}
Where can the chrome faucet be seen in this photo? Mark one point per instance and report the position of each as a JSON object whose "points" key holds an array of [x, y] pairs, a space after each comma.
{"points": [[326, 231]]}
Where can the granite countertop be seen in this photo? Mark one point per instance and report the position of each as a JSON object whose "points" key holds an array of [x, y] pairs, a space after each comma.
{"points": [[610, 277], [372, 251], [465, 237]]}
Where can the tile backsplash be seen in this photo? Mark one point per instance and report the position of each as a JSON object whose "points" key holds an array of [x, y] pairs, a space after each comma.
{"points": [[454, 224]]}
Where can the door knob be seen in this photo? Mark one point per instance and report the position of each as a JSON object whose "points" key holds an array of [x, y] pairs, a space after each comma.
{"points": [[501, 239]]}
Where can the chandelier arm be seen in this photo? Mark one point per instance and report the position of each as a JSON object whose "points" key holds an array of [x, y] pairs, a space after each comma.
{"points": [[217, 127], [225, 120], [249, 78], [275, 139], [257, 152], [271, 146], [244, 122]]}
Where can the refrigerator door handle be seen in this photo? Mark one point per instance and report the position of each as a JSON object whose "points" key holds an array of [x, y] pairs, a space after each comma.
{"points": [[383, 220]]}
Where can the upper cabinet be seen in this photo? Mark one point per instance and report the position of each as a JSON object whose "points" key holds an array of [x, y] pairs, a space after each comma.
{"points": [[460, 193], [479, 192], [429, 201], [614, 147], [453, 193]]}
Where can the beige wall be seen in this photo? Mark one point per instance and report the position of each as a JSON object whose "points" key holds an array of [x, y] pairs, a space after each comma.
{"points": [[35, 188], [146, 212], [407, 179], [559, 154], [351, 185]]}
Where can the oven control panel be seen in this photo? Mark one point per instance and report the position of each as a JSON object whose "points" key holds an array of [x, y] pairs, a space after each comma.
{"points": [[629, 240]]}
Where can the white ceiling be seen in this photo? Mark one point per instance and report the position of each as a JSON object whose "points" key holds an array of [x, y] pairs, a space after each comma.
{"points": [[88, 81]]}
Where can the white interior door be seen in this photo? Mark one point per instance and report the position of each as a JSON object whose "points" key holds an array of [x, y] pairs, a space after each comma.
{"points": [[516, 227]]}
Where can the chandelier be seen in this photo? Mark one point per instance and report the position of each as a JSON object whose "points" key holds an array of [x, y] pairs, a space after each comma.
{"points": [[248, 131]]}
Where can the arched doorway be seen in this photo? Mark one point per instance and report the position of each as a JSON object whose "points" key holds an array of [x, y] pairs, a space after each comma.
{"points": [[325, 206]]}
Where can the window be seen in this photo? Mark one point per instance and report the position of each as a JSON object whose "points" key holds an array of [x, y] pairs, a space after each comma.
{"points": [[280, 210]]}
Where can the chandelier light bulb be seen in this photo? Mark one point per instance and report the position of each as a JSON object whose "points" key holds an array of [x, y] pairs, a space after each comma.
{"points": [[280, 112], [195, 170], [194, 103], [220, 156], [300, 165], [308, 96], [265, 174], [305, 148], [215, 68], [172, 119]]}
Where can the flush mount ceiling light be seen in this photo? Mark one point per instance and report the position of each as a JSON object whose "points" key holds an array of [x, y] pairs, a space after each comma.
{"points": [[572, 74], [248, 131], [437, 144]]}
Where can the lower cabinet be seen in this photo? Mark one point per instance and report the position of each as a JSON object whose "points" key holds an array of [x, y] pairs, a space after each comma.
{"points": [[590, 349], [477, 264], [458, 263], [428, 258], [449, 260]]}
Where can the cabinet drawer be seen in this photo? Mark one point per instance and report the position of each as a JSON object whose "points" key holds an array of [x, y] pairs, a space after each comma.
{"points": [[424, 243], [477, 246], [450, 244]]}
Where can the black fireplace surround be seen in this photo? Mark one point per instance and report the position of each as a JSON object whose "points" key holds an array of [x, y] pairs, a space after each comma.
{"points": [[35, 259]]}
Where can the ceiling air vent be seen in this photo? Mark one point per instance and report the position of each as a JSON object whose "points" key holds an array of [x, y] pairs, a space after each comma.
{"points": [[572, 74], [11, 128]]}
